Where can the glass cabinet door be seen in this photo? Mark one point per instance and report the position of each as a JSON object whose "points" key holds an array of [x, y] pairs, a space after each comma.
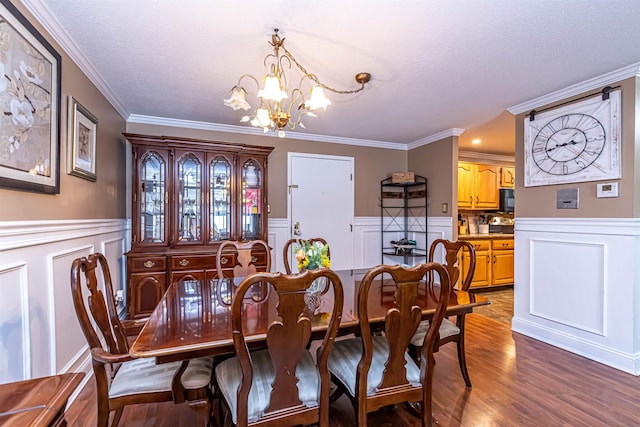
{"points": [[190, 194], [219, 199], [251, 206], [153, 195]]}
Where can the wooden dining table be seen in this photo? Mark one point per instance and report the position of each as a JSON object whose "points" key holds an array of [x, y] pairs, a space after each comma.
{"points": [[193, 318]]}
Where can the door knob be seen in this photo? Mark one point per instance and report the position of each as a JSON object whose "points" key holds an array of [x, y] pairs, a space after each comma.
{"points": [[296, 229]]}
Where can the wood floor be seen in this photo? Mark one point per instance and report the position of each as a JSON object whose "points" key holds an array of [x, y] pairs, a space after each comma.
{"points": [[517, 381]]}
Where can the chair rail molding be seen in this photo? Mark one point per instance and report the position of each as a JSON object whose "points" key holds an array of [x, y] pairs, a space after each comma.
{"points": [[576, 286]]}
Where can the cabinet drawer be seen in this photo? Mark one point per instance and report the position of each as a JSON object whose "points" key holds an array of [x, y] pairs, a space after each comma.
{"points": [[502, 244], [481, 245], [155, 263], [186, 262]]}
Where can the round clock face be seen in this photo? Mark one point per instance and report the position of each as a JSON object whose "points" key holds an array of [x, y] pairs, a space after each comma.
{"points": [[568, 144]]}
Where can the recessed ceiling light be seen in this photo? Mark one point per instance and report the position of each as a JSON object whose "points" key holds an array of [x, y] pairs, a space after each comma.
{"points": [[476, 141]]}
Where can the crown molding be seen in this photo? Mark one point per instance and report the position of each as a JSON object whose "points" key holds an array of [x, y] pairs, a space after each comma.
{"points": [[632, 70], [44, 16], [435, 137], [486, 156], [217, 127]]}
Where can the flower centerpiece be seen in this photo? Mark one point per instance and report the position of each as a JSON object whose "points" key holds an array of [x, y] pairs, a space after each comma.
{"points": [[312, 255]]}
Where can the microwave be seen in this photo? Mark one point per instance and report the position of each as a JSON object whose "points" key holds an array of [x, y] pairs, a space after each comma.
{"points": [[507, 200]]}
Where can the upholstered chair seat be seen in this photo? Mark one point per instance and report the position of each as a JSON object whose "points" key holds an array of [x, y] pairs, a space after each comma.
{"points": [[143, 376], [346, 354], [447, 329], [229, 375]]}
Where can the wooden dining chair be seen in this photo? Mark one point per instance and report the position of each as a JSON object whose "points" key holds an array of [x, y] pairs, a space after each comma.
{"points": [[281, 385], [121, 379], [286, 252], [449, 331], [244, 260], [376, 370]]}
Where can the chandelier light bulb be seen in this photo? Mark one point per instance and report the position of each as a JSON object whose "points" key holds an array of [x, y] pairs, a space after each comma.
{"points": [[272, 89], [281, 133], [237, 99], [318, 100], [262, 116]]}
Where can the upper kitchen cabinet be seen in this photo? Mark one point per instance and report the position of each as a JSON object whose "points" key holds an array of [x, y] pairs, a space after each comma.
{"points": [[507, 177], [478, 186]]}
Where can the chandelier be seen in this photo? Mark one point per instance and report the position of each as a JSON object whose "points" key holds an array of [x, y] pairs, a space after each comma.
{"points": [[281, 107]]}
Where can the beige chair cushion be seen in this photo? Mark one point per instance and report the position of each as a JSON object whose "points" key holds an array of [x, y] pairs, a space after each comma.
{"points": [[346, 354], [447, 329], [144, 376], [229, 375]]}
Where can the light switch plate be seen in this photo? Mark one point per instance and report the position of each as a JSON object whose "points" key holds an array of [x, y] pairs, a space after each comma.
{"points": [[567, 198], [607, 189]]}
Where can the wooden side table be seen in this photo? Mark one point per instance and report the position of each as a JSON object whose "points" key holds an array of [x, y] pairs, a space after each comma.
{"points": [[37, 402]]}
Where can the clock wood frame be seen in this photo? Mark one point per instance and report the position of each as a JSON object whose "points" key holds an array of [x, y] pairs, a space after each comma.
{"points": [[578, 142]]}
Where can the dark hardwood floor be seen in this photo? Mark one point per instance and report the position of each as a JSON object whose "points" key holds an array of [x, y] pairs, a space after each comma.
{"points": [[517, 381]]}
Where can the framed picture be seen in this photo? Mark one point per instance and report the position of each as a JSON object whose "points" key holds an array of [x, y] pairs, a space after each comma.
{"points": [[83, 127], [579, 142], [30, 72]]}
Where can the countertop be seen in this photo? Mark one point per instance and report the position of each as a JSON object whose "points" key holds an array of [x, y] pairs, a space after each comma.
{"points": [[485, 236]]}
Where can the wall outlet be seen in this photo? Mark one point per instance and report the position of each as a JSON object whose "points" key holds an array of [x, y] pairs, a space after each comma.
{"points": [[119, 295]]}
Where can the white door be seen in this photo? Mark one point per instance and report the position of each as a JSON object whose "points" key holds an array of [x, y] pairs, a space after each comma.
{"points": [[321, 202]]}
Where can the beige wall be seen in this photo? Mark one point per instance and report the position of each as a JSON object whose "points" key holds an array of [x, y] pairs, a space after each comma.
{"points": [[371, 164], [78, 198], [438, 162], [541, 201]]}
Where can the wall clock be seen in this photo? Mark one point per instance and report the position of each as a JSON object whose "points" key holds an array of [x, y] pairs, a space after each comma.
{"points": [[576, 143]]}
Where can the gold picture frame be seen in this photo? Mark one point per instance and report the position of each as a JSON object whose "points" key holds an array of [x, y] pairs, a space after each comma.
{"points": [[82, 144]]}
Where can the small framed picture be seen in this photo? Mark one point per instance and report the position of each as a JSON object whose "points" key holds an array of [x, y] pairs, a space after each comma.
{"points": [[83, 128]]}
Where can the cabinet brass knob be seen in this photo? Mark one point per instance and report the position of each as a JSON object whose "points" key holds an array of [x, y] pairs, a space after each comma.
{"points": [[223, 261], [184, 262], [254, 259], [149, 264]]}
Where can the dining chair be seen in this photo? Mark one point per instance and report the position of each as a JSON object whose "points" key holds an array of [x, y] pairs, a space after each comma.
{"points": [[121, 379], [376, 370], [449, 331], [245, 258], [286, 252], [281, 385]]}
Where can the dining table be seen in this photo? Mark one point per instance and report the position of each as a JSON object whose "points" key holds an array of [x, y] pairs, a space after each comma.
{"points": [[193, 318]]}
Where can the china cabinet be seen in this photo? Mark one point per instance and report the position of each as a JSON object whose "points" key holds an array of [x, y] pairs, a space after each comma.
{"points": [[188, 196]]}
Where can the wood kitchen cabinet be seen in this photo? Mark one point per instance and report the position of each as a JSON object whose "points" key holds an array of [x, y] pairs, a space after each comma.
{"points": [[507, 177], [188, 196], [478, 186], [502, 261], [494, 262]]}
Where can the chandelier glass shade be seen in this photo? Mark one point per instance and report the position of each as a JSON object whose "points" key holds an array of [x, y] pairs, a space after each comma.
{"points": [[281, 107]]}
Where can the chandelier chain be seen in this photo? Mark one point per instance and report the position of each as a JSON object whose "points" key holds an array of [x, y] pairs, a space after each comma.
{"points": [[315, 79]]}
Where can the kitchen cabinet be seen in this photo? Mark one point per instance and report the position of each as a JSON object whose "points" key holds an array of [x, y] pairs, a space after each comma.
{"points": [[507, 177], [494, 262], [502, 261], [188, 196], [478, 186]]}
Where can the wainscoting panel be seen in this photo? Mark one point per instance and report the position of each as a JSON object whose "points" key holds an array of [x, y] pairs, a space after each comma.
{"points": [[15, 344], [577, 286], [37, 318], [68, 340], [581, 273]]}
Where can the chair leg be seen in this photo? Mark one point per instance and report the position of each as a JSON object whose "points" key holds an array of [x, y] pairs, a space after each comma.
{"points": [[103, 416], [202, 409], [116, 417], [462, 359]]}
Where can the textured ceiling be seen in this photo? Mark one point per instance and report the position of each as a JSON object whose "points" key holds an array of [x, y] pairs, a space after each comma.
{"points": [[436, 65]]}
